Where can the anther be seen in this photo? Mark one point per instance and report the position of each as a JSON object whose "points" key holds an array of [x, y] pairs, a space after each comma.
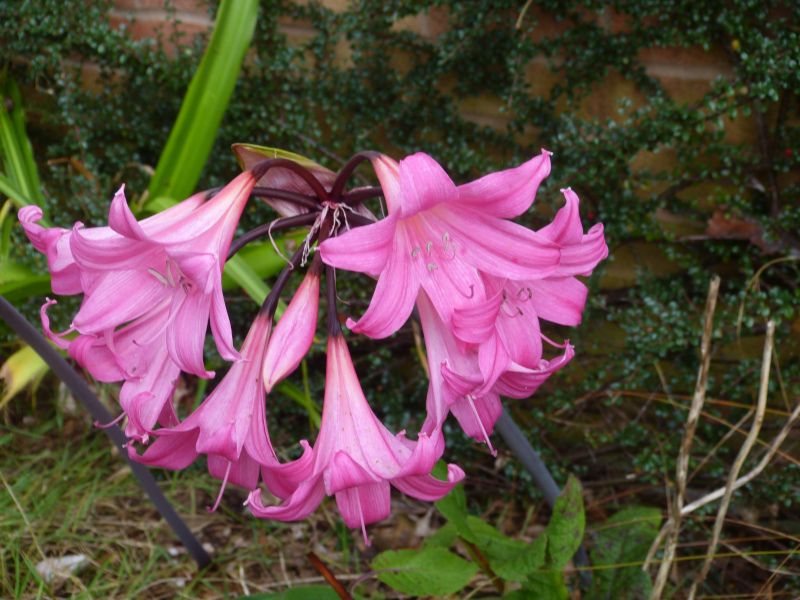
{"points": [[445, 237], [527, 289], [414, 252], [428, 247], [431, 267]]}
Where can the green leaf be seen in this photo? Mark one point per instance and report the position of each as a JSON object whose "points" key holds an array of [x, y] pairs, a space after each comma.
{"points": [[565, 530], [444, 537], [17, 152], [454, 508], [493, 544], [193, 134], [547, 585], [309, 592], [429, 572], [624, 538], [511, 559], [22, 368]]}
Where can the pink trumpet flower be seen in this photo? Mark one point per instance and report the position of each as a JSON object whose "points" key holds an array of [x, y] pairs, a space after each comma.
{"points": [[513, 307], [230, 427], [356, 457], [295, 330], [138, 355], [177, 254], [441, 238], [65, 277]]}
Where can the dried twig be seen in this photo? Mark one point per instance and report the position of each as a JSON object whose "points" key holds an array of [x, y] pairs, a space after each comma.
{"points": [[763, 387], [686, 442]]}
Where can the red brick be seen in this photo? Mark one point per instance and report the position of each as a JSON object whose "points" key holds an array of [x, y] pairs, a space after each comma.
{"points": [[438, 21], [196, 6], [126, 4], [143, 28]]}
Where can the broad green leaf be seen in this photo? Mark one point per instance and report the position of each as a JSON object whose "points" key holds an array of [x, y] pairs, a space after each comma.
{"points": [[547, 585], [308, 592], [454, 508], [624, 538], [493, 544], [444, 537], [20, 167], [428, 572], [22, 368], [192, 136], [565, 530]]}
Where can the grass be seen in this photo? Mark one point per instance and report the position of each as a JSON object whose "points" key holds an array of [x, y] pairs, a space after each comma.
{"points": [[67, 492]]}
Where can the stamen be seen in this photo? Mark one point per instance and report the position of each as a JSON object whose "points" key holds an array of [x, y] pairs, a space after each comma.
{"points": [[428, 247], [445, 237], [158, 276], [274, 245], [414, 252], [222, 489], [552, 343], [470, 398], [170, 278], [361, 516], [525, 289], [114, 422], [431, 267]]}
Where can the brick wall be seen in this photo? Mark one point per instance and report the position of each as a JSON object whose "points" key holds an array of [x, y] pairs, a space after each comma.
{"points": [[686, 73]]}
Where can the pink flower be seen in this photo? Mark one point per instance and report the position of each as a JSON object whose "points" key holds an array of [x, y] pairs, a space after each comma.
{"points": [[53, 243], [129, 267], [137, 354], [513, 307], [442, 238], [356, 457], [230, 427], [295, 330]]}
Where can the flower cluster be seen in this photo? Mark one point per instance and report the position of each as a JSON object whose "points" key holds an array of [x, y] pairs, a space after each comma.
{"points": [[480, 282]]}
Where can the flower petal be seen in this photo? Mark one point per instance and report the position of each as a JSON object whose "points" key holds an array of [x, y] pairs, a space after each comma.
{"points": [[362, 249], [364, 504], [423, 184], [428, 488], [559, 300], [393, 299], [507, 194], [499, 247], [186, 332], [302, 502]]}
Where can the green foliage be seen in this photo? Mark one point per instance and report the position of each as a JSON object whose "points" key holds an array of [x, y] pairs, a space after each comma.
{"points": [[308, 592], [537, 565], [623, 539], [428, 572]]}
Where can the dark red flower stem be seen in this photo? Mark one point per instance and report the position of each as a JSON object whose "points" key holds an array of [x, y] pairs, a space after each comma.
{"points": [[276, 225], [271, 301], [347, 170], [358, 196], [260, 169], [334, 326], [309, 202]]}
